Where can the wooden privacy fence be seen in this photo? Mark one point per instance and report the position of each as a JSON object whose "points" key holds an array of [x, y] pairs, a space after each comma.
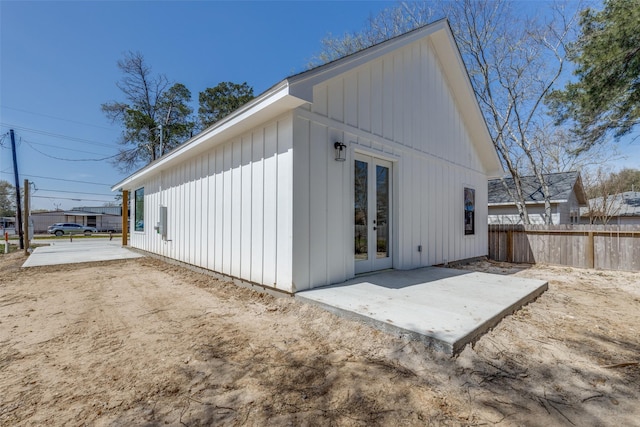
{"points": [[607, 247]]}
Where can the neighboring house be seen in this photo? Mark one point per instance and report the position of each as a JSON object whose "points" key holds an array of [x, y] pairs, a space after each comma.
{"points": [[377, 160], [8, 225], [616, 209], [567, 196], [102, 218]]}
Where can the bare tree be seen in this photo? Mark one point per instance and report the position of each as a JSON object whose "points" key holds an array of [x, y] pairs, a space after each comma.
{"points": [[155, 116], [557, 151], [604, 195], [513, 61], [390, 22]]}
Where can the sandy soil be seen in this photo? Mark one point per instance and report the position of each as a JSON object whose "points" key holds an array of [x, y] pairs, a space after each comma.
{"points": [[142, 342]]}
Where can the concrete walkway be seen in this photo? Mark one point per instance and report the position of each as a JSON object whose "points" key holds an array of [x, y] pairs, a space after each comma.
{"points": [[80, 250], [445, 308]]}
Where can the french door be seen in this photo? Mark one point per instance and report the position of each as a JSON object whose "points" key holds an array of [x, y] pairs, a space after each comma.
{"points": [[372, 213]]}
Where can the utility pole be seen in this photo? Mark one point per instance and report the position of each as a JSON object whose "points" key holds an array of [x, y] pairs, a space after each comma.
{"points": [[18, 206], [26, 216], [161, 141]]}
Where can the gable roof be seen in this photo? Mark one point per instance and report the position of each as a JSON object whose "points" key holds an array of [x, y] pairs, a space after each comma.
{"points": [[297, 90], [621, 204], [561, 185]]}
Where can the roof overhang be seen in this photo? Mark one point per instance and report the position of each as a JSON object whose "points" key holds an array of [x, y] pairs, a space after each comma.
{"points": [[446, 48], [578, 189], [269, 105], [460, 84], [80, 213]]}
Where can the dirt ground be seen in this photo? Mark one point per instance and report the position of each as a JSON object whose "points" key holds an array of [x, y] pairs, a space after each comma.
{"points": [[143, 342]]}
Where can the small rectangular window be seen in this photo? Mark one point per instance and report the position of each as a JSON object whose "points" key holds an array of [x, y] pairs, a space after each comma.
{"points": [[469, 211], [139, 210]]}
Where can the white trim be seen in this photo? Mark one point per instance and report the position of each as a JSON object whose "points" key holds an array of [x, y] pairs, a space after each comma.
{"points": [[267, 106], [373, 263]]}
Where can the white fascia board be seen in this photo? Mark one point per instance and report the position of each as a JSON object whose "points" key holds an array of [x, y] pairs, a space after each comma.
{"points": [[456, 72], [270, 104]]}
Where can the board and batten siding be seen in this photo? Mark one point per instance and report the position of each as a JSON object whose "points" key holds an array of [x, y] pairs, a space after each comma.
{"points": [[229, 209], [399, 108]]}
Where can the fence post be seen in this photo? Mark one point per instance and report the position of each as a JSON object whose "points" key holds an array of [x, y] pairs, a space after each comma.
{"points": [[590, 250], [509, 245]]}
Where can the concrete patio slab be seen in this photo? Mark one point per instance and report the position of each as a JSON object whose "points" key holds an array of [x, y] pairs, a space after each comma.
{"points": [[445, 308], [80, 250]]}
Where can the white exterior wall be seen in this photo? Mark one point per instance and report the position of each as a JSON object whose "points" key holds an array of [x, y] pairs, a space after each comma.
{"points": [[567, 209], [509, 215], [399, 108], [229, 209]]}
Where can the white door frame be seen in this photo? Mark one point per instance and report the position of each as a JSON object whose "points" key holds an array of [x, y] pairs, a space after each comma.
{"points": [[367, 231]]}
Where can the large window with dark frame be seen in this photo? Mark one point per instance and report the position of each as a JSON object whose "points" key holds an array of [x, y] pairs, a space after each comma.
{"points": [[469, 211], [139, 210]]}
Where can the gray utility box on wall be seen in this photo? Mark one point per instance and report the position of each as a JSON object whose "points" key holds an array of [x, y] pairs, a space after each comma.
{"points": [[162, 224]]}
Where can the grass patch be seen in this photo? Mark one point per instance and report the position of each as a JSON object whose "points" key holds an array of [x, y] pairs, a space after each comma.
{"points": [[12, 248]]}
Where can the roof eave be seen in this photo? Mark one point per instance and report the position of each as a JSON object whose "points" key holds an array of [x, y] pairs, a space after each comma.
{"points": [[270, 104], [462, 88], [448, 53], [578, 189]]}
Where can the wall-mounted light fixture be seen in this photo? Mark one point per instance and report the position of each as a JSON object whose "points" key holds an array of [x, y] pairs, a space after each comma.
{"points": [[341, 151]]}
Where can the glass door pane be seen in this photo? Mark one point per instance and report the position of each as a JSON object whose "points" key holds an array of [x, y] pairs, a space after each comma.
{"points": [[382, 212], [361, 203]]}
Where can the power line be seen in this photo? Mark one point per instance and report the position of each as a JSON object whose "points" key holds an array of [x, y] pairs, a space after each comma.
{"points": [[76, 192], [68, 160], [70, 198], [56, 118], [56, 135], [61, 179], [61, 148]]}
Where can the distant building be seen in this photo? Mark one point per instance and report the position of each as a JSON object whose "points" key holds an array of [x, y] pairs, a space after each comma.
{"points": [[104, 218], [8, 224], [104, 210], [567, 197], [616, 209]]}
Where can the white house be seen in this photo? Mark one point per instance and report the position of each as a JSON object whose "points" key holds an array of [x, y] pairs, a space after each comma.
{"points": [[263, 195], [104, 218], [566, 197], [616, 209]]}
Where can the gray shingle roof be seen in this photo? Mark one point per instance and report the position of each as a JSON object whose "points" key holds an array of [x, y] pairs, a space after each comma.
{"points": [[560, 186], [622, 204]]}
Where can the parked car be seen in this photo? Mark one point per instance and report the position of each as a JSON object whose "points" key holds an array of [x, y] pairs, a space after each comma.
{"points": [[62, 228]]}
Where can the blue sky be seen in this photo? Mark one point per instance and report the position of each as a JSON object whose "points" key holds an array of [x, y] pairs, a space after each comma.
{"points": [[58, 65]]}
